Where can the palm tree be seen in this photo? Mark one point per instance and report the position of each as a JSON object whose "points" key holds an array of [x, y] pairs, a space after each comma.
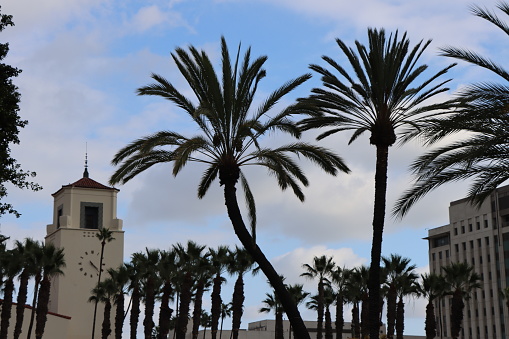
{"points": [[397, 269], [104, 235], [203, 280], [135, 271], [148, 273], [205, 321], [461, 280], [320, 269], [168, 272], [231, 136], [104, 292], [240, 263], [120, 278], [299, 296], [226, 311], [38, 258], [52, 264], [219, 261], [189, 258], [407, 286], [12, 264], [339, 279], [382, 98], [357, 293], [483, 116], [505, 295], [430, 288], [30, 250], [272, 304]]}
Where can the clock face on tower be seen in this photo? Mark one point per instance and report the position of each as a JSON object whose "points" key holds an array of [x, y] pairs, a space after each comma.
{"points": [[88, 263]]}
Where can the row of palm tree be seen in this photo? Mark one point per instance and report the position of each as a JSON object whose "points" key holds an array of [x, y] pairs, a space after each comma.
{"points": [[340, 286], [388, 95], [25, 261], [177, 278]]}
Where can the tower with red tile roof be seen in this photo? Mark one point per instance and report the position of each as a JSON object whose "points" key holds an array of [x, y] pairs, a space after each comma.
{"points": [[80, 210]]}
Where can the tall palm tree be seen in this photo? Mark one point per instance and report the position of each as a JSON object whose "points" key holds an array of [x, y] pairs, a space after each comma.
{"points": [[339, 279], [135, 272], [30, 250], [168, 272], [203, 280], [397, 270], [189, 258], [461, 281], [299, 296], [321, 268], [104, 292], [382, 97], [149, 278], [219, 262], [430, 288], [104, 235], [407, 286], [53, 262], [39, 266], [483, 154], [357, 293], [12, 264], [272, 304], [120, 278], [231, 134], [240, 263], [226, 311]]}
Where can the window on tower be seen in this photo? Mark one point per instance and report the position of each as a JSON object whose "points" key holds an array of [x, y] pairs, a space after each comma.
{"points": [[91, 215]]}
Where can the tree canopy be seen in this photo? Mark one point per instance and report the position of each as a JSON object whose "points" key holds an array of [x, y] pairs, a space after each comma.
{"points": [[11, 123]]}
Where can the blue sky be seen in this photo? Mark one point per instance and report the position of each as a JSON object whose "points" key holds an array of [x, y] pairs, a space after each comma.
{"points": [[82, 61]]}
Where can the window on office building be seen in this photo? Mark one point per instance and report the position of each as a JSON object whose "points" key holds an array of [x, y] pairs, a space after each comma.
{"points": [[464, 246], [479, 242], [471, 244], [487, 241], [470, 225], [456, 248]]}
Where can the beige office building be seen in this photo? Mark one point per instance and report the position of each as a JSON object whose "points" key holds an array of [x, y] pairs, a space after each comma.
{"points": [[479, 237]]}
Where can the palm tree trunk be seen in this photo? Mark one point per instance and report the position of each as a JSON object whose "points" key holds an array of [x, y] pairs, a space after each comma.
{"points": [[319, 311], [355, 320], [328, 324], [280, 334], [34, 304], [6, 308], [249, 244], [400, 319], [106, 326], [237, 305], [21, 300], [135, 312], [148, 323], [42, 307], [365, 321], [185, 301], [340, 322], [456, 313], [165, 311], [221, 330], [103, 243], [391, 311], [216, 305], [430, 324], [119, 315], [382, 157], [197, 309]]}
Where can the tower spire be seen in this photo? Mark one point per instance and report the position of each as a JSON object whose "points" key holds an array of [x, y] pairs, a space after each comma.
{"points": [[85, 173]]}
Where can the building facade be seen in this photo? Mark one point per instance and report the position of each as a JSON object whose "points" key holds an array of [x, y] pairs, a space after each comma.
{"points": [[478, 236], [80, 210]]}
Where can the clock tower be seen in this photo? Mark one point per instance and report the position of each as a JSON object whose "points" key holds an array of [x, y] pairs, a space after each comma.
{"points": [[80, 210]]}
